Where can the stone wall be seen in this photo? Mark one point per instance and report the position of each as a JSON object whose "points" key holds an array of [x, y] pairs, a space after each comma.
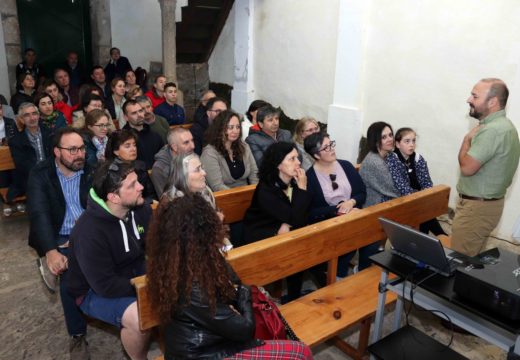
{"points": [[11, 28], [101, 31]]}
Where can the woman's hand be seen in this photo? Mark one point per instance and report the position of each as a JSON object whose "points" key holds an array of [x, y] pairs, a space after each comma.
{"points": [[285, 228], [345, 207], [301, 179]]}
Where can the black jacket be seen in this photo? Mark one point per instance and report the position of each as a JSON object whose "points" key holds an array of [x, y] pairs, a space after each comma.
{"points": [[196, 333], [117, 69], [148, 144], [105, 252], [198, 129], [46, 204], [270, 208], [24, 157]]}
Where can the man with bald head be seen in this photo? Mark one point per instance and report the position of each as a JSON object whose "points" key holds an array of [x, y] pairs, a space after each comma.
{"points": [[488, 158]]}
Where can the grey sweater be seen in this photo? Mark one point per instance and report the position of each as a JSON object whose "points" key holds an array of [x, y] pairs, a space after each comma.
{"points": [[378, 180], [161, 169], [218, 174], [259, 141]]}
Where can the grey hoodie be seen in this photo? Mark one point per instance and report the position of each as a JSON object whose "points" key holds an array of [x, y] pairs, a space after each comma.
{"points": [[161, 169]]}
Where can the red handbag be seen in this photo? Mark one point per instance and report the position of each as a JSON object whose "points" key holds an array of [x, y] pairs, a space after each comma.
{"points": [[268, 319]]}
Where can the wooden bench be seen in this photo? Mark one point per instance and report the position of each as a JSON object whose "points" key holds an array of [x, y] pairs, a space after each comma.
{"points": [[186, 126], [322, 314], [7, 163]]}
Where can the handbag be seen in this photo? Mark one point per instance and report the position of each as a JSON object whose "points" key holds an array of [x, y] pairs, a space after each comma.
{"points": [[269, 322]]}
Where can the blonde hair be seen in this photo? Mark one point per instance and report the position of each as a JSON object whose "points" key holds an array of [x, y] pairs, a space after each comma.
{"points": [[300, 127]]}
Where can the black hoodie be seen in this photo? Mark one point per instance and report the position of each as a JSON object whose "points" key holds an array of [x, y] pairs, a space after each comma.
{"points": [[106, 252]]}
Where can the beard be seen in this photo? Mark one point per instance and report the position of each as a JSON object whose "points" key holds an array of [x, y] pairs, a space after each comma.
{"points": [[75, 165], [474, 113], [133, 204]]}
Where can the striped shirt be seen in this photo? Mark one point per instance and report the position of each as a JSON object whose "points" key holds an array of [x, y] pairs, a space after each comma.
{"points": [[73, 209]]}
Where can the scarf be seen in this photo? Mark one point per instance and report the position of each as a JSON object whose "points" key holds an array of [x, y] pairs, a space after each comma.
{"points": [[100, 144]]}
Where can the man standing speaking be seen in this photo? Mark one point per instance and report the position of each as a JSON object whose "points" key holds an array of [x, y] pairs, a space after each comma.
{"points": [[488, 159]]}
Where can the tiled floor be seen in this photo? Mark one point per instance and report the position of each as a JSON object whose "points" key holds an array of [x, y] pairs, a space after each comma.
{"points": [[32, 326]]}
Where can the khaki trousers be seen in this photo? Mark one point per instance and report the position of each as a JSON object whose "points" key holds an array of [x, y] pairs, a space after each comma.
{"points": [[473, 223]]}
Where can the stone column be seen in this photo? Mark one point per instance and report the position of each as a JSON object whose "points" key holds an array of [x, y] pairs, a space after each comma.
{"points": [[101, 31], [11, 52], [345, 115], [243, 87], [169, 46]]}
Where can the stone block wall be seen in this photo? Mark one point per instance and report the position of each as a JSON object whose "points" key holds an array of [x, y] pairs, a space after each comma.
{"points": [[11, 27]]}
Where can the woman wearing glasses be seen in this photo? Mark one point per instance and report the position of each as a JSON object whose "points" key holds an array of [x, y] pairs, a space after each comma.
{"points": [[122, 146], [336, 189], [306, 126], [227, 159], [96, 130]]}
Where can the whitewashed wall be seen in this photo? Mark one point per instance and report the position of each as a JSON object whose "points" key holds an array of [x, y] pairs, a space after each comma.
{"points": [[295, 53], [136, 30], [422, 59], [222, 58]]}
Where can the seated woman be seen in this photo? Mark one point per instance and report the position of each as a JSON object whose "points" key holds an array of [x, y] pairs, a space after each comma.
{"points": [[374, 170], [227, 160], [114, 102], [122, 145], [250, 120], [130, 80], [304, 127], [49, 117], [189, 177], [25, 91], [336, 189], [50, 87], [206, 311], [96, 131], [280, 202], [410, 172]]}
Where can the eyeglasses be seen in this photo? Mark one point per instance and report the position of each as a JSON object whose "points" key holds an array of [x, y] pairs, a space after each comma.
{"points": [[335, 185], [218, 111], [329, 147], [312, 130], [102, 126], [73, 150]]}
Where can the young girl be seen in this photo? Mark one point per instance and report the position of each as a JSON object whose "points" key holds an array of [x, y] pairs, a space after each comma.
{"points": [[410, 172]]}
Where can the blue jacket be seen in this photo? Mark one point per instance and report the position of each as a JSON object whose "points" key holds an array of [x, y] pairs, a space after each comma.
{"points": [[320, 209]]}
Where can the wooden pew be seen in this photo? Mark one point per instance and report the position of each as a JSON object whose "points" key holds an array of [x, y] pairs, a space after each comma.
{"points": [[186, 126], [7, 163], [322, 314]]}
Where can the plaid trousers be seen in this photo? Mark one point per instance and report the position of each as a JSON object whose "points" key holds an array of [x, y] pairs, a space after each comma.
{"points": [[276, 350]]}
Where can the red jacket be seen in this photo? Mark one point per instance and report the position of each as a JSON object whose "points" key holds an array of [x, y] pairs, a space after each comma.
{"points": [[156, 101], [65, 109]]}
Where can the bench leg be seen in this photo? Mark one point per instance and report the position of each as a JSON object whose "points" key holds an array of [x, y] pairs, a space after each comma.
{"points": [[348, 349]]}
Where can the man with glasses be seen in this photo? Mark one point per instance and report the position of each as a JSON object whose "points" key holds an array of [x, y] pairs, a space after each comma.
{"points": [[107, 251], [214, 107], [148, 142], [268, 119], [56, 197], [28, 147]]}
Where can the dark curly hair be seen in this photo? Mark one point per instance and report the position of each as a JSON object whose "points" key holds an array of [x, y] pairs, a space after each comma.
{"points": [[216, 135], [182, 249], [273, 156]]}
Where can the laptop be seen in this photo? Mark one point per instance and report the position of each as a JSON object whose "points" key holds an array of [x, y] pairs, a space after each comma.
{"points": [[419, 248]]}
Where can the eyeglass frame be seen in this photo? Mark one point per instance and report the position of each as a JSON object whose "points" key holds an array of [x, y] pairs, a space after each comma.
{"points": [[74, 150], [329, 147]]}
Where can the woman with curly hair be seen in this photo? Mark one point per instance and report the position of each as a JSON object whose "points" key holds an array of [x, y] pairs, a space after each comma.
{"points": [[205, 310], [228, 160]]}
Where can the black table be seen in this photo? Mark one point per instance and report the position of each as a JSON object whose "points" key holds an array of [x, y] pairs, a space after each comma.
{"points": [[435, 292]]}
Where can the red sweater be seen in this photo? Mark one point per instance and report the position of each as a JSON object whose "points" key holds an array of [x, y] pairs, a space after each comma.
{"points": [[156, 101]]}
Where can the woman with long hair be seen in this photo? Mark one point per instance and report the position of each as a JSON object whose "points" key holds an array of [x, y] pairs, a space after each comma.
{"points": [[189, 177], [205, 310], [374, 170], [304, 127], [114, 103], [410, 172], [122, 146], [227, 159]]}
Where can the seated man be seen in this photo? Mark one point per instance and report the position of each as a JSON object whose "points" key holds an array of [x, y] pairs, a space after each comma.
{"points": [[149, 143], [157, 123], [117, 66], [28, 147], [268, 119], [169, 110], [213, 108], [56, 196], [107, 251], [7, 131], [180, 142], [156, 93], [70, 92]]}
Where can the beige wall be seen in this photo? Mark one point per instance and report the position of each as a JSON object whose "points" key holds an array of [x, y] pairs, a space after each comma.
{"points": [[421, 63]]}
